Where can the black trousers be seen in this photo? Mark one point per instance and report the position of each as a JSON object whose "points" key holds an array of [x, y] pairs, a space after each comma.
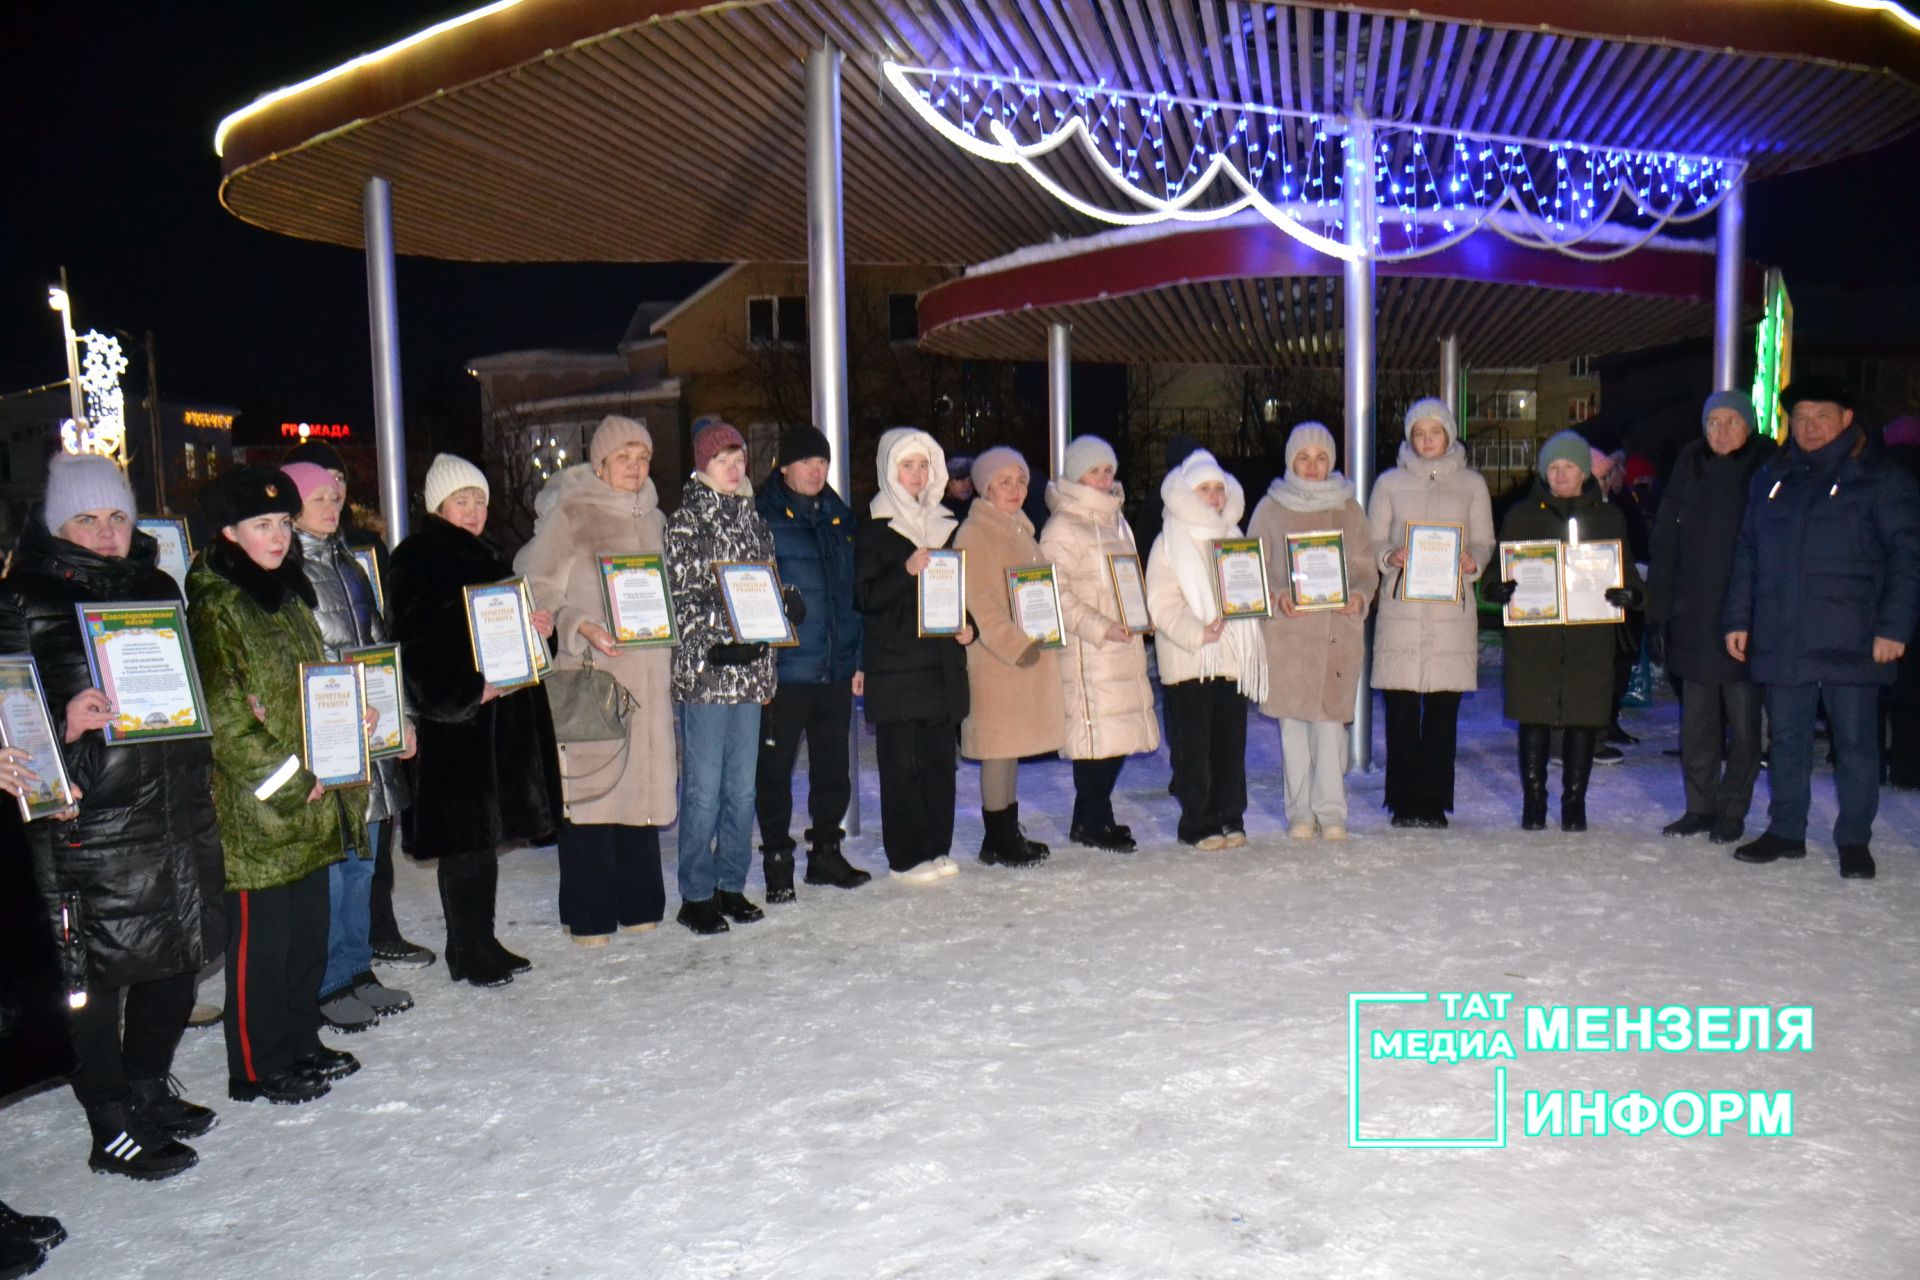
{"points": [[108, 1057], [1422, 741], [1093, 783], [917, 763], [609, 876], [276, 956], [1717, 720], [381, 926], [1207, 744], [823, 714]]}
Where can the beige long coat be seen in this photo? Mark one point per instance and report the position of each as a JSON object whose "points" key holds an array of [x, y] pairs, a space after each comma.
{"points": [[1012, 711], [1428, 648], [581, 516], [1109, 700], [1314, 659]]}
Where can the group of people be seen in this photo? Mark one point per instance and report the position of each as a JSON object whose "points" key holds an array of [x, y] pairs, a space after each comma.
{"points": [[1795, 571]]}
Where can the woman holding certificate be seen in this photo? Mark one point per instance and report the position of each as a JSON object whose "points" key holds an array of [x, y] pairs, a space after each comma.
{"points": [[1559, 665], [1014, 706], [1314, 650], [139, 865], [1103, 668], [618, 794], [1210, 664], [253, 627], [1432, 528], [907, 583], [485, 772]]}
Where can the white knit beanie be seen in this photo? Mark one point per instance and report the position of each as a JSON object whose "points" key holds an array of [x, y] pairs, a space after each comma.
{"points": [[1433, 409], [1083, 455], [79, 482], [448, 475], [1308, 433]]}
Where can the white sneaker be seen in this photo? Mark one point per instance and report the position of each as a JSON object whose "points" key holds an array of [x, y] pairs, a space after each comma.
{"points": [[1301, 831], [1208, 844], [948, 867], [920, 873], [1334, 832]]}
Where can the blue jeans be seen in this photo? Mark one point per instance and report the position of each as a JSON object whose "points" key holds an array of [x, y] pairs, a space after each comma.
{"points": [[719, 752], [349, 890], [1853, 713]]}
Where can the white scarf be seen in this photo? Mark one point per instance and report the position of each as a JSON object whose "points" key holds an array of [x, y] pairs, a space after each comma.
{"points": [[924, 520], [1188, 527], [1295, 494], [1454, 459]]}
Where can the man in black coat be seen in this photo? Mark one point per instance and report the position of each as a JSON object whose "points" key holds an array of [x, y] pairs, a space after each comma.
{"points": [[1822, 602], [1693, 540]]}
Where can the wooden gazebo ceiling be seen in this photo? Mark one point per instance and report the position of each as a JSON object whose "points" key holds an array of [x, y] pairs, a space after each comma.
{"points": [[661, 130]]}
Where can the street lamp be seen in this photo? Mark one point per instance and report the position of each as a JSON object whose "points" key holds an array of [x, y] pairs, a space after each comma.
{"points": [[59, 300]]}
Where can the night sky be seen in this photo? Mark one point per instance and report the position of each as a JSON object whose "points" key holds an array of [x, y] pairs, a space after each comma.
{"points": [[110, 111]]}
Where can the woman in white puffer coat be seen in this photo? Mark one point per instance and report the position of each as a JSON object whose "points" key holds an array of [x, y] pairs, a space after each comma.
{"points": [[1103, 669], [1426, 653]]}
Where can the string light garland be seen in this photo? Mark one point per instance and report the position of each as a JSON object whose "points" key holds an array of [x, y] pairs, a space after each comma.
{"points": [[1160, 157], [104, 429]]}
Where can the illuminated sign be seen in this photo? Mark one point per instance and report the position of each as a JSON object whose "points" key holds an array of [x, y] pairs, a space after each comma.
{"points": [[104, 429], [1773, 356], [212, 421], [316, 430]]}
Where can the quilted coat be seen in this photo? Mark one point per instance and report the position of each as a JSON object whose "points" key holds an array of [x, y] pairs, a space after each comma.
{"points": [[1427, 646], [1109, 699]]}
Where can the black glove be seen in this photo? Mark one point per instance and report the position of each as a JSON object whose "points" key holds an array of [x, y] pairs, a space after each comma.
{"points": [[795, 606], [1498, 592], [1626, 597], [734, 655]]}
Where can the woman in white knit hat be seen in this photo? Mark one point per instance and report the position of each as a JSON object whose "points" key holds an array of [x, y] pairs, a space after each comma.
{"points": [[1314, 658], [1103, 668]]}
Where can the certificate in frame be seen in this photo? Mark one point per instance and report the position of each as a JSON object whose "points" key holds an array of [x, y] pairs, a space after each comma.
{"points": [[1240, 577], [536, 645], [176, 545], [1033, 595], [1130, 591], [370, 565], [499, 634], [24, 723], [1433, 552], [333, 724], [754, 602], [1317, 570], [1592, 568], [638, 599], [386, 691], [141, 656], [1536, 565], [941, 594]]}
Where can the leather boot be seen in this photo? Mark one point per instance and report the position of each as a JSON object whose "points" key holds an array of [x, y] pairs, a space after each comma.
{"points": [[1536, 740], [778, 865], [483, 901], [827, 865], [1005, 844], [466, 960], [1576, 766]]}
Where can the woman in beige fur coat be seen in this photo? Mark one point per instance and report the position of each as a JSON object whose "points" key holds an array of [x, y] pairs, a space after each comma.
{"points": [[1314, 658], [1103, 669], [1015, 708], [617, 797]]}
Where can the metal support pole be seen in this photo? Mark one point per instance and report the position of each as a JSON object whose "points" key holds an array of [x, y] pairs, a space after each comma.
{"points": [[160, 507], [827, 308], [383, 329], [1357, 188], [1729, 256], [1059, 395], [65, 308], [1450, 375]]}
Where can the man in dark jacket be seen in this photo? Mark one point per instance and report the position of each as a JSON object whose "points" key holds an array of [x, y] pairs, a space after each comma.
{"points": [[819, 678], [1822, 602], [1693, 540]]}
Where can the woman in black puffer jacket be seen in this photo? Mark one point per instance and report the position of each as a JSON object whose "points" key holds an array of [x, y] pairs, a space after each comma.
{"points": [[140, 866]]}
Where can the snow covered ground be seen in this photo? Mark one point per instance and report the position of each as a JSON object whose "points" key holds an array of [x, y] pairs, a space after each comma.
{"points": [[1108, 1066]]}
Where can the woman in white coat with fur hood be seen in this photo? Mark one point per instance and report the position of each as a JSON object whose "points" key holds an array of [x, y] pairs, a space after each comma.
{"points": [[1209, 666], [1426, 653], [1103, 668]]}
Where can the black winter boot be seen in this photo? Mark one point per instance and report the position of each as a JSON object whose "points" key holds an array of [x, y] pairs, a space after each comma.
{"points": [[1006, 845], [466, 960], [1536, 741], [159, 1103], [1576, 766], [483, 902], [44, 1233], [736, 907], [778, 864], [827, 865], [124, 1143]]}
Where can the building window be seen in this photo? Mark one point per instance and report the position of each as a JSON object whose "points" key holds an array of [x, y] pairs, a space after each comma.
{"points": [[1580, 367], [1500, 454], [1500, 406], [193, 462], [213, 465], [903, 318], [777, 319]]}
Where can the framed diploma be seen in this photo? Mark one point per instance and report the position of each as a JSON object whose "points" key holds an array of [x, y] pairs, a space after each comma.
{"points": [[176, 546], [1240, 576], [141, 657], [333, 724], [1592, 569], [1538, 597], [942, 588], [755, 610], [386, 695], [1034, 596], [1130, 591], [638, 601], [500, 633], [370, 565], [1432, 571], [542, 660], [1317, 570], [24, 723]]}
